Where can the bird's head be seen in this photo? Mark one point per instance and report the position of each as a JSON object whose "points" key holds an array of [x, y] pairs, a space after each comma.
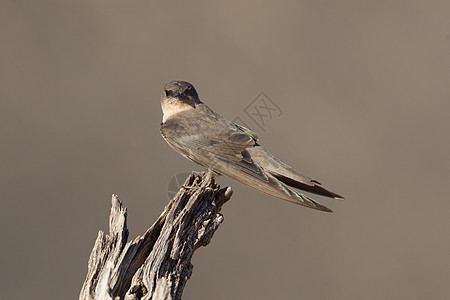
{"points": [[179, 93], [178, 96]]}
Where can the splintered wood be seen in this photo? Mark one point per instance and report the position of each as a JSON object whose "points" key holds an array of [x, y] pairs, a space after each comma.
{"points": [[158, 264]]}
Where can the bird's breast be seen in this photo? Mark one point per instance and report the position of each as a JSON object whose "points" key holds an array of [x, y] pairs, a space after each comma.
{"points": [[172, 109]]}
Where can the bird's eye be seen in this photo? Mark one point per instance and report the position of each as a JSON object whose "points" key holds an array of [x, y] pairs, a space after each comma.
{"points": [[168, 93]]}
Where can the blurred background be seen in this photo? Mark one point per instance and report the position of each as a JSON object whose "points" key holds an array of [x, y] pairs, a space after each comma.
{"points": [[364, 97]]}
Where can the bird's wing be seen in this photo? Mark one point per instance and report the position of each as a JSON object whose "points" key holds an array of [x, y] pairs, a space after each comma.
{"points": [[248, 131], [229, 154], [226, 149]]}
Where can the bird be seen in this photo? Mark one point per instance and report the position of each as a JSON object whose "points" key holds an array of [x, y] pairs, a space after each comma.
{"points": [[196, 132]]}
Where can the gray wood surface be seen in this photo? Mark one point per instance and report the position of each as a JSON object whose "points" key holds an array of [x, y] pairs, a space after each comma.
{"points": [[158, 264]]}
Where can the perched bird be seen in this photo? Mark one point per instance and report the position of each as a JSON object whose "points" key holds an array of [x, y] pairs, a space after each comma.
{"points": [[198, 133]]}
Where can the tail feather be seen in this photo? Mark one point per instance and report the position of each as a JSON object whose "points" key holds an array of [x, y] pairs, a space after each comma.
{"points": [[288, 175], [315, 189], [276, 188]]}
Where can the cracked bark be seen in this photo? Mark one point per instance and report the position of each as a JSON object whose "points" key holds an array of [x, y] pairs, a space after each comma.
{"points": [[158, 264]]}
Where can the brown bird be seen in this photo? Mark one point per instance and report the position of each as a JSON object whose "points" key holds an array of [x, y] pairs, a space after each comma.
{"points": [[195, 131]]}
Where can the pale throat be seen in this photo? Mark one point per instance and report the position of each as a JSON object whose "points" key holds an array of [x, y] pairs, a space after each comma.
{"points": [[171, 109]]}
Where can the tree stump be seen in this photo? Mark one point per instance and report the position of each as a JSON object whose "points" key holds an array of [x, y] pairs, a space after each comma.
{"points": [[158, 264]]}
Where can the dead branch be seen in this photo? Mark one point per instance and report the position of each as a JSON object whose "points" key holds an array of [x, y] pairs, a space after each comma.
{"points": [[158, 264]]}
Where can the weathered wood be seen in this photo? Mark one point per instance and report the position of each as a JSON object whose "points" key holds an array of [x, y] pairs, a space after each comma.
{"points": [[158, 264]]}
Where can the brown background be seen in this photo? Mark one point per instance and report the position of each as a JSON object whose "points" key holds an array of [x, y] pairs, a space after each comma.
{"points": [[365, 92]]}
